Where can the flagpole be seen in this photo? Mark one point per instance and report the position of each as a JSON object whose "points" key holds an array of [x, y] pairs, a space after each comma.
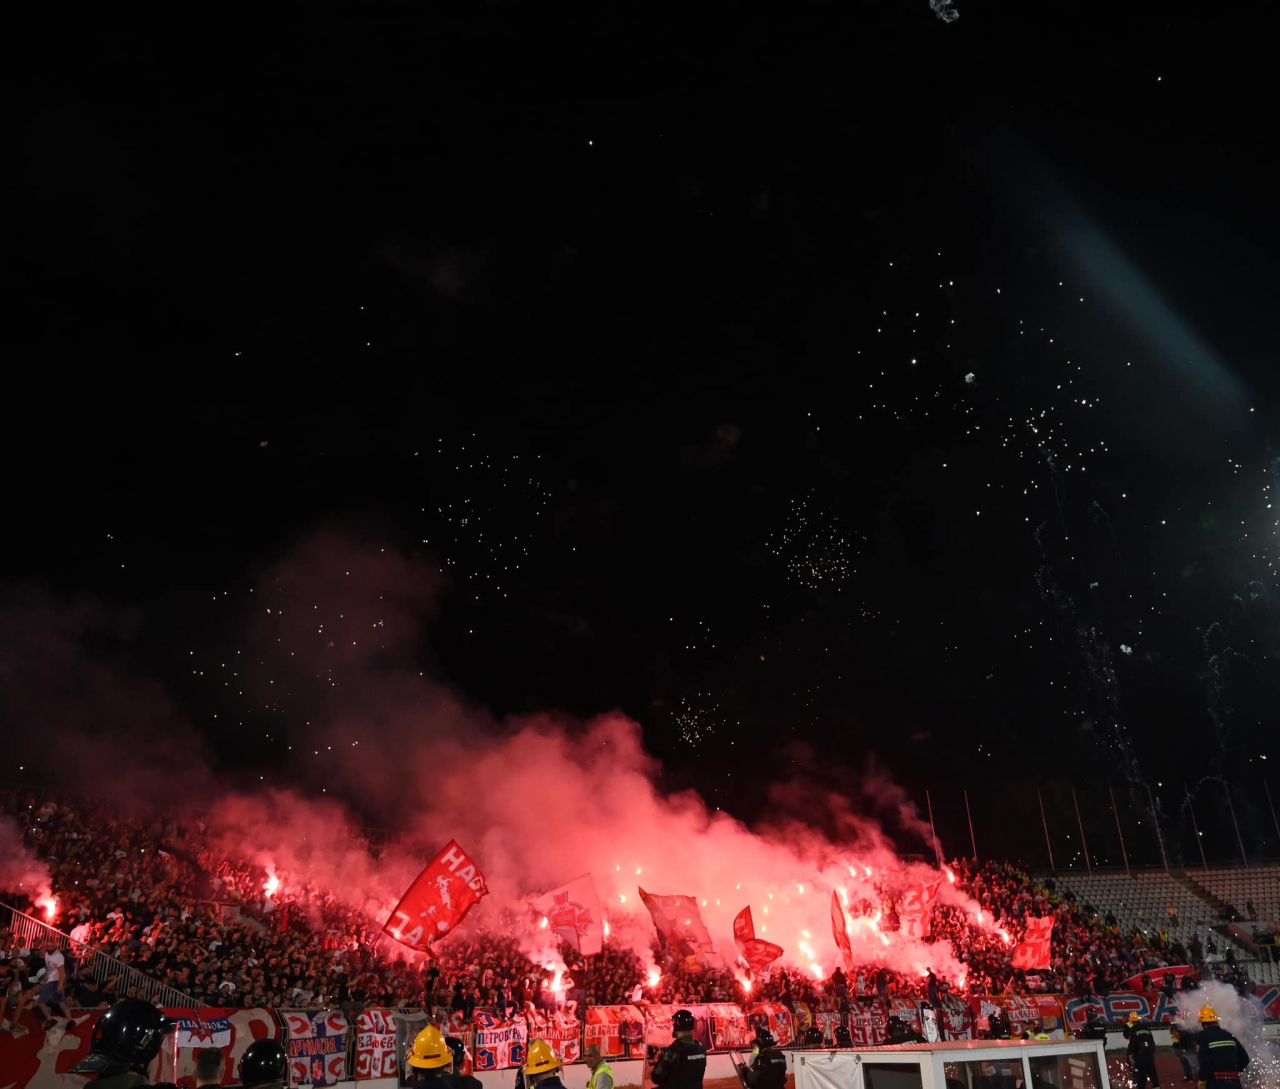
{"points": [[1155, 817], [1272, 807], [1044, 821], [1195, 827], [973, 842], [1120, 831], [937, 846], [1239, 839], [1083, 841]]}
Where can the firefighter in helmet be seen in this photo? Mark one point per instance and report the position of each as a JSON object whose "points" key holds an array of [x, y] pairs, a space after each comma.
{"points": [[432, 1060], [1222, 1056], [542, 1066], [125, 1040], [1142, 1051], [264, 1065], [683, 1063]]}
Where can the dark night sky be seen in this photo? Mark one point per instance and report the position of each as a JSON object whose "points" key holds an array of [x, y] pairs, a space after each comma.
{"points": [[682, 303]]}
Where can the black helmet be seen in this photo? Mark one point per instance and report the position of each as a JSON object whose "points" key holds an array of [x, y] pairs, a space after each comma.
{"points": [[126, 1037], [264, 1061], [459, 1051], [813, 1035], [844, 1038], [765, 1038], [682, 1021], [895, 1024]]}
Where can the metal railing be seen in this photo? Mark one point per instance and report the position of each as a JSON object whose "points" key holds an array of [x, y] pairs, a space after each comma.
{"points": [[29, 932]]}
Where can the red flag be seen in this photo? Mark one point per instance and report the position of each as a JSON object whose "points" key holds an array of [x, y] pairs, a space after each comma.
{"points": [[840, 931], [757, 952], [1034, 951], [915, 910], [437, 901], [679, 923]]}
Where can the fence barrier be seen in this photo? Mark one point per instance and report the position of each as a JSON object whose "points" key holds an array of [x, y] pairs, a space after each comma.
{"points": [[91, 963]]}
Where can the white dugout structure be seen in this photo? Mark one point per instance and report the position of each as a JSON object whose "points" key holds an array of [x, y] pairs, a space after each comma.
{"points": [[959, 1064]]}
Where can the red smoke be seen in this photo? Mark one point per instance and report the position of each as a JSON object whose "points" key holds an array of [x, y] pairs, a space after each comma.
{"points": [[22, 874], [333, 644]]}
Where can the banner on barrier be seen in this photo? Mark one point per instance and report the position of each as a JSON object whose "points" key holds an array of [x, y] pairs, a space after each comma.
{"points": [[1152, 1007], [376, 1045], [317, 1046], [499, 1042], [615, 1030], [561, 1030], [729, 1028], [231, 1031], [776, 1018]]}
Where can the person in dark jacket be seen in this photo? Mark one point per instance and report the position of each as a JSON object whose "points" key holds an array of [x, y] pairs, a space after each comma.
{"points": [[125, 1040], [683, 1063], [1222, 1056], [1142, 1052], [264, 1065], [768, 1066], [899, 1032]]}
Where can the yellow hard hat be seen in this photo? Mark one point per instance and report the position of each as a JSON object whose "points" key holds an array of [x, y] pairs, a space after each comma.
{"points": [[1208, 1014], [429, 1051], [1134, 1017], [541, 1059]]}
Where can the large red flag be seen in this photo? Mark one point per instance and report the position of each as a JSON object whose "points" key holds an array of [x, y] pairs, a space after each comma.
{"points": [[679, 923], [915, 910], [1034, 951], [840, 931], [757, 952], [437, 901]]}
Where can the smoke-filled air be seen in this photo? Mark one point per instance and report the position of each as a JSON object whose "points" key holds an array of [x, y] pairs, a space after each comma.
{"points": [[329, 640]]}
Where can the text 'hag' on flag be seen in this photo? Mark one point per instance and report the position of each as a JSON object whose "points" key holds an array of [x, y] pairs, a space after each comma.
{"points": [[438, 900]]}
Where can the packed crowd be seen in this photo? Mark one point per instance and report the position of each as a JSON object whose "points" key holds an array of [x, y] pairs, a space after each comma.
{"points": [[151, 894]]}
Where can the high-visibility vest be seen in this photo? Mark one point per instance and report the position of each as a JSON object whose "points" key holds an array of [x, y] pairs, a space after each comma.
{"points": [[603, 1068]]}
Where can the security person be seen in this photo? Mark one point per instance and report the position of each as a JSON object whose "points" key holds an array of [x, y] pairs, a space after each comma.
{"points": [[683, 1063], [1222, 1056], [601, 1071], [264, 1065], [542, 1067], [1142, 1052], [899, 1032], [768, 1067], [1035, 1031], [125, 1040]]}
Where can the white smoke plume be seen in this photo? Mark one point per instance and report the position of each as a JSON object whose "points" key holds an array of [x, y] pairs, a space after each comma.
{"points": [[1243, 1017]]}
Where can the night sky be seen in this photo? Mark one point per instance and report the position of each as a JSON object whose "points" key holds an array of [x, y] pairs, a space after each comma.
{"points": [[816, 383]]}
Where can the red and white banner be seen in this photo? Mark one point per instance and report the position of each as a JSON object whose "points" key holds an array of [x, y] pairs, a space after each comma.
{"points": [[317, 1046], [376, 1045], [1035, 950], [729, 1028], [229, 1030], [757, 952], [840, 931], [613, 1028], [1154, 978], [776, 1018], [438, 900], [572, 913], [915, 910], [561, 1030]]}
